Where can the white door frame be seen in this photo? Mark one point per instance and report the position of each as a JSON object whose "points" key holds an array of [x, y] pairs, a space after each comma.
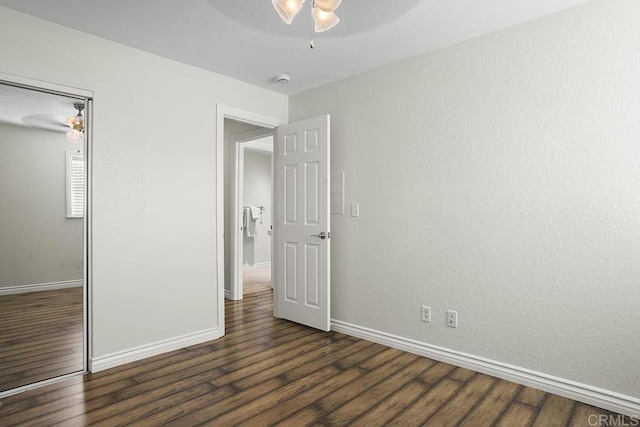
{"points": [[226, 112], [241, 143], [87, 97]]}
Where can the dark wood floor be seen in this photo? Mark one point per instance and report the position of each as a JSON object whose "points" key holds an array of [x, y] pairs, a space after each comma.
{"points": [[273, 372], [40, 336]]}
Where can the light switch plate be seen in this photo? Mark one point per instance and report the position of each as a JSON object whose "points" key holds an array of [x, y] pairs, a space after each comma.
{"points": [[355, 210]]}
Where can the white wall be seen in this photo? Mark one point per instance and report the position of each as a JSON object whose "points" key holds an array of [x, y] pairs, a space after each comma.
{"points": [[39, 244], [154, 208], [257, 192], [499, 177]]}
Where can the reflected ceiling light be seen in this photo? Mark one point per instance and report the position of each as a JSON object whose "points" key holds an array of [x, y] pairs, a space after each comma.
{"points": [[76, 123], [323, 12]]}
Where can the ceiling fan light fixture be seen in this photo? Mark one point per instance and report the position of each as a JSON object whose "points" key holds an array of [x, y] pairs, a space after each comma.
{"points": [[328, 5], [76, 123], [323, 20], [287, 9]]}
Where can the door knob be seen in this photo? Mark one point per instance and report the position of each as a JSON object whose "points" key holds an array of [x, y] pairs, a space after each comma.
{"points": [[322, 235]]}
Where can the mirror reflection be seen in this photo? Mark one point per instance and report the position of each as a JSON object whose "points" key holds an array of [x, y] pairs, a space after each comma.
{"points": [[42, 233]]}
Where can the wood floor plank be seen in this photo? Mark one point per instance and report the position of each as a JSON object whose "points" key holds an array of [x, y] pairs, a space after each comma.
{"points": [[285, 353], [227, 355], [89, 389], [267, 371], [357, 406], [258, 334], [338, 357], [68, 412], [531, 396], [24, 417], [180, 380], [345, 394], [303, 418], [307, 398], [555, 411], [114, 416], [9, 408], [427, 404], [273, 399], [237, 400], [461, 374], [388, 408], [517, 415], [380, 358], [492, 405], [590, 416], [436, 373], [309, 340], [454, 411], [311, 361], [361, 355], [186, 407]]}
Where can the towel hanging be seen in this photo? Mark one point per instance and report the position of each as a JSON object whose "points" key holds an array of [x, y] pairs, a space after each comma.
{"points": [[256, 212], [251, 215]]}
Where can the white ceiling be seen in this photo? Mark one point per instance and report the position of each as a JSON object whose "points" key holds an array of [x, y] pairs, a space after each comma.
{"points": [[246, 39]]}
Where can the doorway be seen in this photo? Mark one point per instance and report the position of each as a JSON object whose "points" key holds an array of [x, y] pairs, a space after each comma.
{"points": [[44, 169], [230, 122], [301, 224], [251, 212]]}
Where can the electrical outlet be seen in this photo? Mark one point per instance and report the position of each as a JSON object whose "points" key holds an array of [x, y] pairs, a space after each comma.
{"points": [[426, 313], [452, 319]]}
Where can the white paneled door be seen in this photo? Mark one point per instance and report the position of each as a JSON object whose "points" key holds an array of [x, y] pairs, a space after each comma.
{"points": [[302, 230]]}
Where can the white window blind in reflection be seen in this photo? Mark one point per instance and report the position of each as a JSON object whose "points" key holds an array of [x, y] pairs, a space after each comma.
{"points": [[75, 185]]}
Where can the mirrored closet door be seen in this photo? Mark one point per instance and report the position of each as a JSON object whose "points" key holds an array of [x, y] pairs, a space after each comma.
{"points": [[42, 268]]}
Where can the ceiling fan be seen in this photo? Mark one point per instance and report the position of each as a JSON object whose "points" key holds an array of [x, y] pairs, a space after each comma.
{"points": [[76, 124], [323, 12]]}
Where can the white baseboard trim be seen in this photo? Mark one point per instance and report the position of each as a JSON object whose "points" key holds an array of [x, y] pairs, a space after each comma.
{"points": [[570, 389], [112, 360], [39, 287], [257, 264], [227, 294]]}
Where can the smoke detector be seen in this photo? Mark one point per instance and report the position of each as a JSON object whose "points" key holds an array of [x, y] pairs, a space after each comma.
{"points": [[283, 78]]}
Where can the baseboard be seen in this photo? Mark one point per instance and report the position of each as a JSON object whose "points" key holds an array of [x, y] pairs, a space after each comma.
{"points": [[112, 360], [605, 399], [39, 287], [227, 294], [257, 264]]}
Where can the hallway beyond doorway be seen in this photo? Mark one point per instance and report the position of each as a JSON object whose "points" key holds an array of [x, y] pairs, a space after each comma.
{"points": [[256, 278]]}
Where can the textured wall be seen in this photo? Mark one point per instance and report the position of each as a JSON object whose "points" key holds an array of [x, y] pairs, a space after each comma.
{"points": [[499, 177], [39, 244], [154, 236]]}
